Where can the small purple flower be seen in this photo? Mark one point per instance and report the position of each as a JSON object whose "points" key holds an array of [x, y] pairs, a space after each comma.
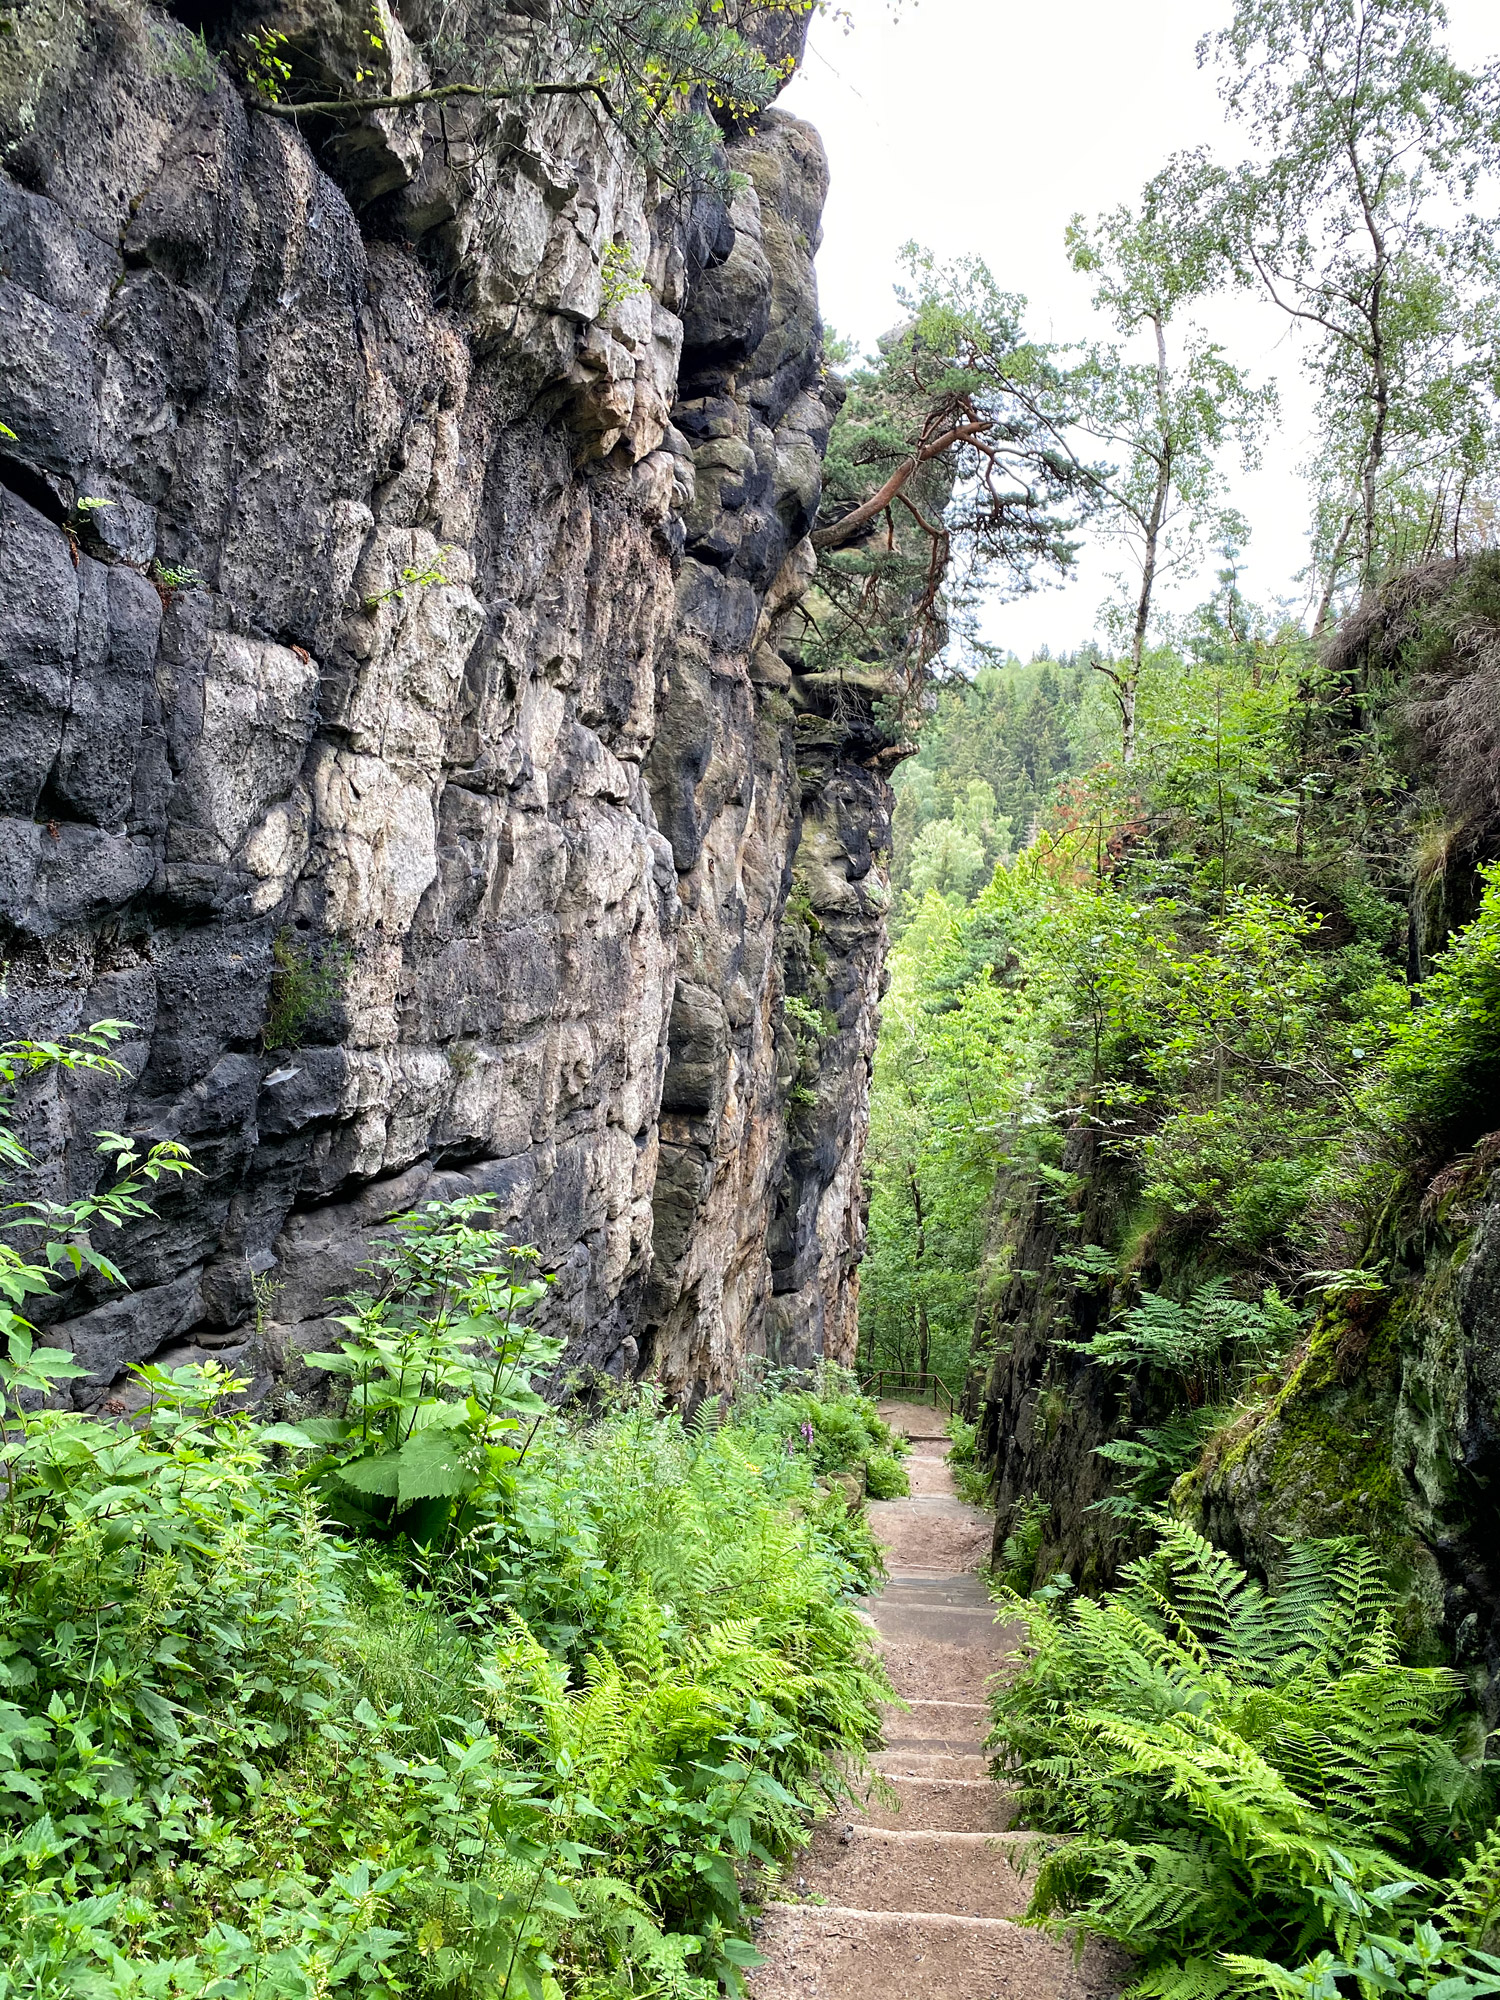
{"points": [[807, 1435], [791, 1449]]}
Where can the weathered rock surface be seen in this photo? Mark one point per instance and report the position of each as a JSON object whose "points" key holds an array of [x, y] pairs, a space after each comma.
{"points": [[412, 748]]}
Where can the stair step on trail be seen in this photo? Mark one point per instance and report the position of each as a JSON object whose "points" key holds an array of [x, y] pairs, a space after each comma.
{"points": [[966, 1805], [915, 1891]]}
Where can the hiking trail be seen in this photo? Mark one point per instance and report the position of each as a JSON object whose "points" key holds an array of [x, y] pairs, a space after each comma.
{"points": [[922, 1898]]}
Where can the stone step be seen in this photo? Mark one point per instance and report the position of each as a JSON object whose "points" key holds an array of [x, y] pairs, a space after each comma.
{"points": [[949, 1724], [947, 1805], [950, 1625], [926, 1501], [945, 1587], [924, 1762], [960, 1743], [928, 1477], [954, 1874], [919, 1668], [834, 1953]]}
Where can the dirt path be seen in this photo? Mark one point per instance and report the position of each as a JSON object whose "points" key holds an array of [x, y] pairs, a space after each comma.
{"points": [[919, 1898]]}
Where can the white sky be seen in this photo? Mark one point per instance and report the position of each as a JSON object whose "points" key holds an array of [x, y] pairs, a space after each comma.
{"points": [[982, 126]]}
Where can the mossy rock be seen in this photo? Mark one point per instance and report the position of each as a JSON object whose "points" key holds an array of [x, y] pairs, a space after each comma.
{"points": [[1318, 1457]]}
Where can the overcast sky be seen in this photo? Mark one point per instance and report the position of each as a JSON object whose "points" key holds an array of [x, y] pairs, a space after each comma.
{"points": [[982, 126]]}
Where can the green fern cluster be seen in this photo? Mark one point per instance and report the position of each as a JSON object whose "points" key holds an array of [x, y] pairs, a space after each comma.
{"points": [[1203, 1343], [1221, 1756]]}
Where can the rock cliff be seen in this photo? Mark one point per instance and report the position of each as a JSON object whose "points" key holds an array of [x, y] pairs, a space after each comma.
{"points": [[412, 746], [1383, 1421]]}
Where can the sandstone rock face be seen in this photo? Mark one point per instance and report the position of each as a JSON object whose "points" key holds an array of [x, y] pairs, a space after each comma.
{"points": [[413, 750]]}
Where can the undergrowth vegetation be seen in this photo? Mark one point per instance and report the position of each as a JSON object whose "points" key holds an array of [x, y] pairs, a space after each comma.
{"points": [[1248, 1780], [450, 1693]]}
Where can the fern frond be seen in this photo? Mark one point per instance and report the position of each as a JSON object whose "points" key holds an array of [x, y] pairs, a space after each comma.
{"points": [[1471, 1908]]}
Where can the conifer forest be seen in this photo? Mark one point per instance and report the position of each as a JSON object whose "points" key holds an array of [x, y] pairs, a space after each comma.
{"points": [[716, 1277]]}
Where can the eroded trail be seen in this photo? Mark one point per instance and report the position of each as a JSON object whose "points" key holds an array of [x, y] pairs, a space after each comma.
{"points": [[920, 1898]]}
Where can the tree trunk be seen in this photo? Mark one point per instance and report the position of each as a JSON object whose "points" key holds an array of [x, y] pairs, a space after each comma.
{"points": [[1154, 523], [924, 1330]]}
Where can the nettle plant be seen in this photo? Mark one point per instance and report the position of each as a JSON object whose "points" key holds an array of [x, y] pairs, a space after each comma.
{"points": [[44, 1242], [440, 1364]]}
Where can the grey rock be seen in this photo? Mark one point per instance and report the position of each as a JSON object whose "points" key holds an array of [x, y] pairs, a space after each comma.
{"points": [[446, 746]]}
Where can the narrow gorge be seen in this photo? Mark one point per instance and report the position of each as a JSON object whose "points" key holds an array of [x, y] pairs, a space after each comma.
{"points": [[749, 1067]]}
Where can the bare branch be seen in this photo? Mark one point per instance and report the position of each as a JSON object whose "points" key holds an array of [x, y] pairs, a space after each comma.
{"points": [[838, 533], [331, 107]]}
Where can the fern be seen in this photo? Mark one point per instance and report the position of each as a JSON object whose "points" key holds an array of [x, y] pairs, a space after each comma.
{"points": [[1225, 1756], [1203, 1343], [1154, 1458], [1471, 1907]]}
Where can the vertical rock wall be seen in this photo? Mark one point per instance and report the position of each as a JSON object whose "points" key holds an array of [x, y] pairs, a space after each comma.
{"points": [[412, 749]]}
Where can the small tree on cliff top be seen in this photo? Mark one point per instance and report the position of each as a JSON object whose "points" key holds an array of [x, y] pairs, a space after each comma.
{"points": [[664, 73], [1166, 419], [945, 475]]}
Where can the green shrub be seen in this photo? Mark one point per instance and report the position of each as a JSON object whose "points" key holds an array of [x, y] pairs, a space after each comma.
{"points": [[832, 1423], [885, 1477], [1443, 1068], [1217, 1754]]}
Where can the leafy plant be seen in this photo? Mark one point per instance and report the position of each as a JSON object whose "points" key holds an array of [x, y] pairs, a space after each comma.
{"points": [[620, 277], [1219, 1755], [267, 68], [413, 576], [1423, 1961], [440, 1369], [56, 1242]]}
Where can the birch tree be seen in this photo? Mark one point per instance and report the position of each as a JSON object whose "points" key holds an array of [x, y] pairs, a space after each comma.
{"points": [[1166, 406], [1356, 215]]}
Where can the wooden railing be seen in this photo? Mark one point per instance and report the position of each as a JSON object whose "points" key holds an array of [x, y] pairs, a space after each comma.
{"points": [[894, 1381]]}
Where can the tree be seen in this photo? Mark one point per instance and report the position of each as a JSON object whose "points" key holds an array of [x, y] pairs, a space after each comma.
{"points": [[662, 72], [1167, 419], [946, 475], [1355, 217], [947, 858]]}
